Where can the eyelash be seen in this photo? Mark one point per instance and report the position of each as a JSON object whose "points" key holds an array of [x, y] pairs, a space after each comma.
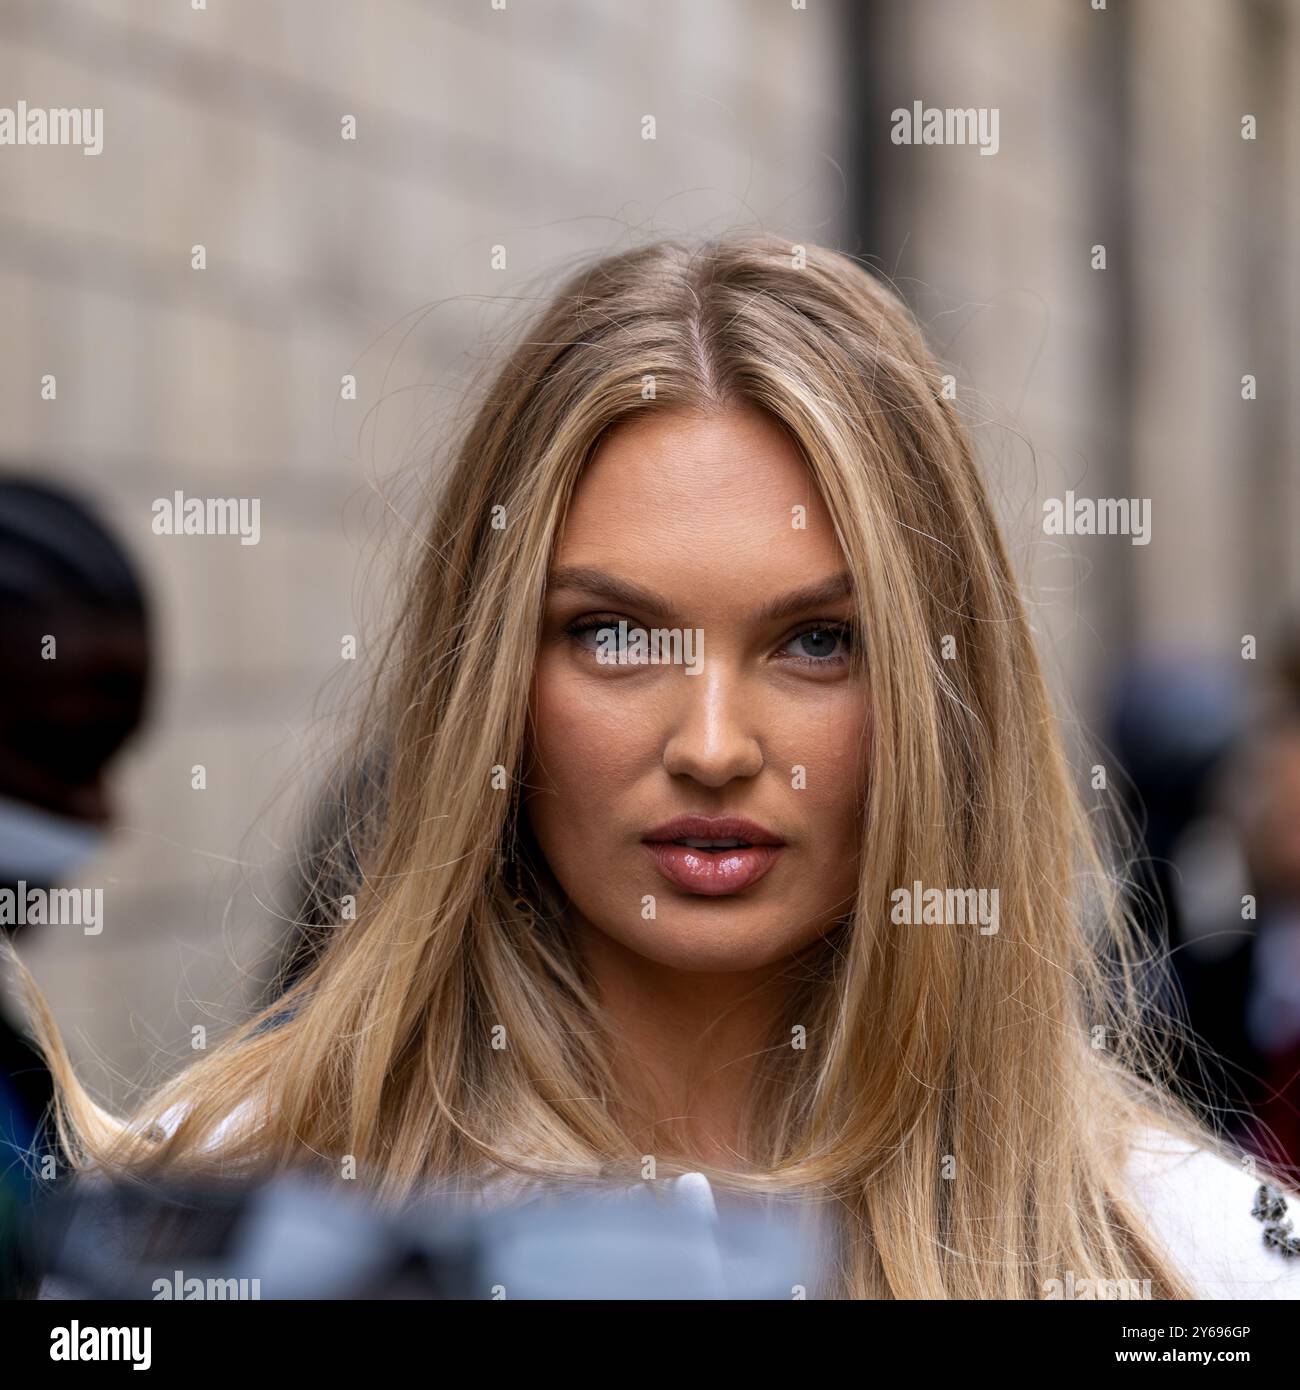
{"points": [[843, 631]]}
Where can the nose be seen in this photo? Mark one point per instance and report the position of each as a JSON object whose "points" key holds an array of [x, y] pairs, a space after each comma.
{"points": [[712, 736]]}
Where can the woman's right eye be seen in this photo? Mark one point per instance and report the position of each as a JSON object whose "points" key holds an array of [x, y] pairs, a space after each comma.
{"points": [[600, 636], [589, 625]]}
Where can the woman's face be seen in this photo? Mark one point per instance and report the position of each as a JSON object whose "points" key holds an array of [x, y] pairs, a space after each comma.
{"points": [[749, 721]]}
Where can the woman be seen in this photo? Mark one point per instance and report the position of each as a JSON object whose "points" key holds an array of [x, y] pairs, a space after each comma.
{"points": [[722, 820]]}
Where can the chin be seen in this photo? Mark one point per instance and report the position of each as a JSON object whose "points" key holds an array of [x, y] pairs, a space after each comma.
{"points": [[712, 942]]}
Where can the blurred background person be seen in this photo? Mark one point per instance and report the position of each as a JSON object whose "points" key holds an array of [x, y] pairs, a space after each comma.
{"points": [[1173, 724], [74, 671], [1265, 801], [1273, 1002]]}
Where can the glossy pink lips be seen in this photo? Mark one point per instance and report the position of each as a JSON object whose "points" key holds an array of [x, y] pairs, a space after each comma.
{"points": [[718, 871]]}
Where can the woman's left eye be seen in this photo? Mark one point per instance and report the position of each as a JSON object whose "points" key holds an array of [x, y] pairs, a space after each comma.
{"points": [[823, 645]]}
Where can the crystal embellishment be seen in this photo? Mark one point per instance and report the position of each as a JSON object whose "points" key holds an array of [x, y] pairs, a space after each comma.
{"points": [[1270, 1208]]}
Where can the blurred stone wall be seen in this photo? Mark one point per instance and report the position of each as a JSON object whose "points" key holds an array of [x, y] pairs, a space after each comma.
{"points": [[1120, 127]]}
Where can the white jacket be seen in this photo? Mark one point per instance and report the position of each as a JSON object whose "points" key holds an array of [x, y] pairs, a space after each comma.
{"points": [[1199, 1205]]}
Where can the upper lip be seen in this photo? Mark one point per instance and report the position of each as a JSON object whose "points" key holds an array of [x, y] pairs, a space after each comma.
{"points": [[712, 828]]}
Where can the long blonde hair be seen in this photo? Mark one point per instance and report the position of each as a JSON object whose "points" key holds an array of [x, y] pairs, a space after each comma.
{"points": [[964, 1101]]}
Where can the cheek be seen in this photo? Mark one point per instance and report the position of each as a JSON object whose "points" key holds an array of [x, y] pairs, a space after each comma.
{"points": [[835, 750], [583, 745]]}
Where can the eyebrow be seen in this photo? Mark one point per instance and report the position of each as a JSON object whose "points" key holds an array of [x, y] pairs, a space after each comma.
{"points": [[601, 584]]}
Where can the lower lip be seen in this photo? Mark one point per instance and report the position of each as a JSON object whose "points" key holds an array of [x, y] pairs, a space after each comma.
{"points": [[712, 873]]}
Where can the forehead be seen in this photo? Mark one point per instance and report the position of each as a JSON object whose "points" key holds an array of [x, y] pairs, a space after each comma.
{"points": [[679, 500]]}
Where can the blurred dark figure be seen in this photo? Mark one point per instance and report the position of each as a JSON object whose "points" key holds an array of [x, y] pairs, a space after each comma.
{"points": [[1173, 724], [74, 658], [1215, 788], [1267, 796]]}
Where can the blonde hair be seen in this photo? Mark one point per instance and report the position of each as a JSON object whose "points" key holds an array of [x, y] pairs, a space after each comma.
{"points": [[951, 1104]]}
